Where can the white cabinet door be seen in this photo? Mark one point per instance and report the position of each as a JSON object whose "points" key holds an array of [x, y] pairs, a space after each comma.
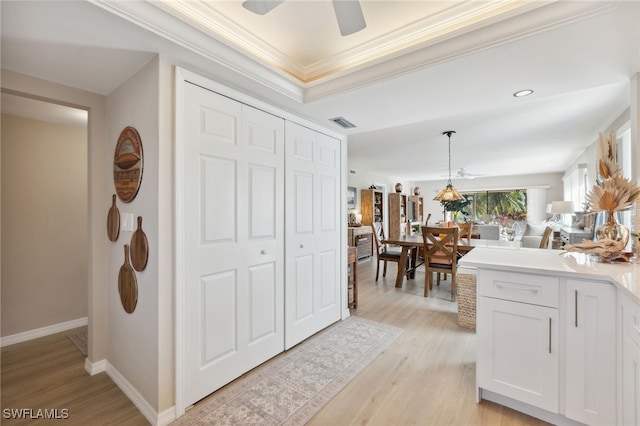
{"points": [[313, 255], [630, 371], [590, 371], [233, 162], [518, 351]]}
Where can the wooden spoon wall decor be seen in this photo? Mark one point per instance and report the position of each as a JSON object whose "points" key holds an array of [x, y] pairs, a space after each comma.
{"points": [[127, 284], [113, 220], [139, 248]]}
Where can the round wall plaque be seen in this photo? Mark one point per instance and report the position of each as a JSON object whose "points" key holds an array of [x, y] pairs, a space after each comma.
{"points": [[127, 164]]}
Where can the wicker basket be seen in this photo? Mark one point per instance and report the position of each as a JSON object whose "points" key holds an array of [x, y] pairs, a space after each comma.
{"points": [[466, 283]]}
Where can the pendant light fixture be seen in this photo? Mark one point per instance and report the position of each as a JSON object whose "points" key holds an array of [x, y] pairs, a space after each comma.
{"points": [[449, 193]]}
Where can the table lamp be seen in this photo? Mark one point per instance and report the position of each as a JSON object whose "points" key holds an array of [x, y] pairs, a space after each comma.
{"points": [[558, 208]]}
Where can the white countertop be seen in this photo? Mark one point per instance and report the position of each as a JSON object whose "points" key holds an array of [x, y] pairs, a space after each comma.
{"points": [[555, 262]]}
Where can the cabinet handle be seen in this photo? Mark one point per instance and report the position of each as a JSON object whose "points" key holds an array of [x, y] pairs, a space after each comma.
{"points": [[576, 309], [549, 334], [524, 290]]}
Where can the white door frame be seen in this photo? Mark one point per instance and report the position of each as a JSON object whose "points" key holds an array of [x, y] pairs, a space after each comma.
{"points": [[182, 75]]}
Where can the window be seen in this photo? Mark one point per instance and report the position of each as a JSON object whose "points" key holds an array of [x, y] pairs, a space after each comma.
{"points": [[497, 206]]}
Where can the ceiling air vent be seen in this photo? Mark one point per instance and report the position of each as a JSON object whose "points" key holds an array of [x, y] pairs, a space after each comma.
{"points": [[343, 122]]}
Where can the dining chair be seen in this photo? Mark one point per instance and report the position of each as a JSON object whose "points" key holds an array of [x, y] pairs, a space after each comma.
{"points": [[383, 252], [441, 255], [465, 230], [544, 242]]}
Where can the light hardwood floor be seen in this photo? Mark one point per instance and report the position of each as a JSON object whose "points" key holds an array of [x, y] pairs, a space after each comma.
{"points": [[426, 377], [48, 373]]}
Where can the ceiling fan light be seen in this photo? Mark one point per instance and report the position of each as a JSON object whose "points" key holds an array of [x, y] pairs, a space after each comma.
{"points": [[261, 7], [349, 15]]}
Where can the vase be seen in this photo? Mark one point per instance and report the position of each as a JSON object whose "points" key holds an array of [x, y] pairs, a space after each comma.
{"points": [[398, 187], [448, 217], [612, 230]]}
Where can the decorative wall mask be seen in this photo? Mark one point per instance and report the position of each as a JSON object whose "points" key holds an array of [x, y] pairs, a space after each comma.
{"points": [[128, 164]]}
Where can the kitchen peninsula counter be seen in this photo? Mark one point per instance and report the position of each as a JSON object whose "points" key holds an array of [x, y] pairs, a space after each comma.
{"points": [[558, 262], [558, 334]]}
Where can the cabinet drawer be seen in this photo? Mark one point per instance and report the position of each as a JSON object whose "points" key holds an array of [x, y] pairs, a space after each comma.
{"points": [[540, 290], [364, 230]]}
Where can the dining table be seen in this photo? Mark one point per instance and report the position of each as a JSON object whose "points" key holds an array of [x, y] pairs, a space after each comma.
{"points": [[415, 241]]}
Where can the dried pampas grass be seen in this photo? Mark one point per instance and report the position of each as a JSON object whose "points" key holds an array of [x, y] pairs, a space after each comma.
{"points": [[607, 163], [614, 194]]}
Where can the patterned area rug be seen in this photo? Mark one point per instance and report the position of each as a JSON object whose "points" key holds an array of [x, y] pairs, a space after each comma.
{"points": [[80, 340], [292, 388]]}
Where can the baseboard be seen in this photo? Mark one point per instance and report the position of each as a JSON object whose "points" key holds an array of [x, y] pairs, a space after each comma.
{"points": [[539, 413], [94, 368], [155, 418], [345, 313], [44, 331], [167, 417]]}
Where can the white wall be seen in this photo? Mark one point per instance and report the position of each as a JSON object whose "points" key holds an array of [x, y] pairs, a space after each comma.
{"points": [[44, 224], [166, 230], [140, 344], [23, 85]]}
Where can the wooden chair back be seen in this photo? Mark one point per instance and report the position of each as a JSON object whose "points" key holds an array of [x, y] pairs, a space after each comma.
{"points": [[378, 236], [465, 230], [440, 255], [382, 254], [440, 245], [544, 242]]}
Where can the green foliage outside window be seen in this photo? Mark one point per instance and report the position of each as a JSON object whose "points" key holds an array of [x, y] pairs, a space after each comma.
{"points": [[500, 205]]}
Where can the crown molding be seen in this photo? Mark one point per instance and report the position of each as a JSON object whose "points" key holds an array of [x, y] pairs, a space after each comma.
{"points": [[457, 45], [233, 64], [230, 63]]}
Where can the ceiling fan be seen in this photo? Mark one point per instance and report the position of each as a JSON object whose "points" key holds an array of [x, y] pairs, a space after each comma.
{"points": [[348, 13], [461, 173]]}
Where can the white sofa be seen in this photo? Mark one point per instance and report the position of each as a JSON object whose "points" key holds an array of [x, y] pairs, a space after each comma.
{"points": [[532, 235], [488, 232]]}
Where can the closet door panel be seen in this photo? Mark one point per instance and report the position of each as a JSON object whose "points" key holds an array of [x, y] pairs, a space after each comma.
{"points": [[219, 225], [327, 235], [312, 211], [233, 165]]}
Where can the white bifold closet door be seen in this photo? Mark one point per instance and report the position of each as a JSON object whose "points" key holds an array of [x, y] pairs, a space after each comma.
{"points": [[234, 239], [313, 224]]}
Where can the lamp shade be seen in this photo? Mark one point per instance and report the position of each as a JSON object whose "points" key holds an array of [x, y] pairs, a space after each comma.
{"points": [[562, 207], [448, 193]]}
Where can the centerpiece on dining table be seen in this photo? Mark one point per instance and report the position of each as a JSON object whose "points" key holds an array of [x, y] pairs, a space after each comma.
{"points": [[612, 193]]}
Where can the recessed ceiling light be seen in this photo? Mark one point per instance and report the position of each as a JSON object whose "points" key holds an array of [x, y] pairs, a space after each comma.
{"points": [[522, 93]]}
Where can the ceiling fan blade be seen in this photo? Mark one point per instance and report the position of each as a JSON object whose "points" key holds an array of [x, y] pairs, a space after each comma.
{"points": [[261, 7], [349, 16]]}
